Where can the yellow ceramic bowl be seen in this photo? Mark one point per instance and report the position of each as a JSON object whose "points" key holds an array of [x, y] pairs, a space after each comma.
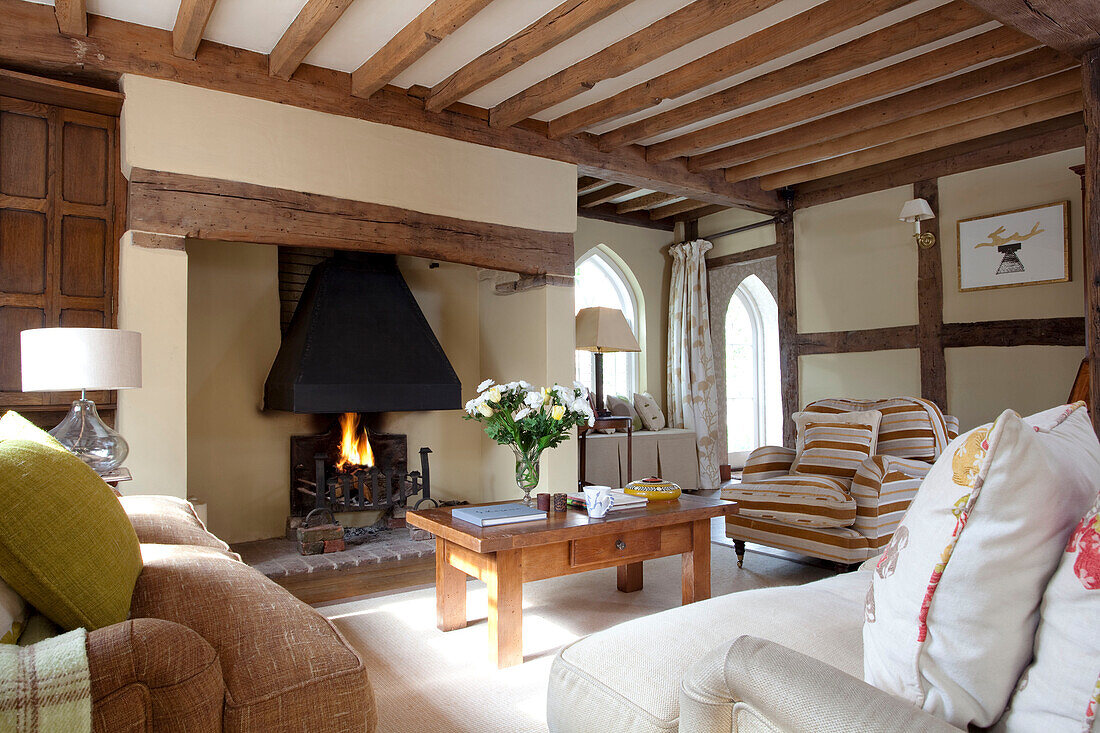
{"points": [[653, 488]]}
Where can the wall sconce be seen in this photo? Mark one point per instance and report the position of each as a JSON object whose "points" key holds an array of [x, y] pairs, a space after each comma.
{"points": [[916, 211]]}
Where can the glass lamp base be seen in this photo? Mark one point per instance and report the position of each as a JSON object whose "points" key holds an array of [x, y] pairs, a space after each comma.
{"points": [[84, 433]]}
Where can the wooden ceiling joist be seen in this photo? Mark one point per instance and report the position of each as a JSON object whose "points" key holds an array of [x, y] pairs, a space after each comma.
{"points": [[892, 79], [987, 79], [1050, 87], [648, 201], [1019, 117], [587, 184], [687, 24], [607, 212], [72, 17], [605, 195], [562, 22], [1041, 138], [679, 207], [811, 26], [190, 24], [315, 20], [435, 23], [696, 214], [914, 32], [1072, 26]]}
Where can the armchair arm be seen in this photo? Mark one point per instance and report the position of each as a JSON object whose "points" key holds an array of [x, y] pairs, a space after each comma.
{"points": [[883, 487], [767, 462], [153, 675], [758, 681]]}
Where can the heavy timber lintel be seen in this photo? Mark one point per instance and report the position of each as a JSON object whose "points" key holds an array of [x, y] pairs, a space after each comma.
{"points": [[209, 208], [29, 41]]}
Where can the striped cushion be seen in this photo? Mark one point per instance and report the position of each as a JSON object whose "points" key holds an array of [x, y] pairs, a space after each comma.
{"points": [[910, 428], [835, 450], [805, 501]]}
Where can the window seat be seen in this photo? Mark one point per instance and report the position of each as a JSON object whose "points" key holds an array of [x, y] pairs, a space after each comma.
{"points": [[669, 453]]}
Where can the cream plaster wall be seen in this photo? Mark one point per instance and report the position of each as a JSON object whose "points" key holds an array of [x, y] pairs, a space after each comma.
{"points": [[1033, 182], [184, 129], [643, 253], [982, 382], [866, 375], [152, 299]]}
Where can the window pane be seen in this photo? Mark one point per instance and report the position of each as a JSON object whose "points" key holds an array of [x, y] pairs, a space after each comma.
{"points": [[599, 284], [741, 413]]}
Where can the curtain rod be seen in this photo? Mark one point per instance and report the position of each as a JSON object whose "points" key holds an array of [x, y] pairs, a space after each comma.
{"points": [[738, 230]]}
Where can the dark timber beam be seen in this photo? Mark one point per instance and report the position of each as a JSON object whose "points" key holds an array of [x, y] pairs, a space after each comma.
{"points": [[849, 342], [1090, 65], [933, 363], [608, 212], [1017, 332], [72, 17], [788, 323], [1072, 26], [209, 208]]}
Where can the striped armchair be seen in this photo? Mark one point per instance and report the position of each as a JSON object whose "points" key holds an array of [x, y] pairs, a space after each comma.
{"points": [[826, 517]]}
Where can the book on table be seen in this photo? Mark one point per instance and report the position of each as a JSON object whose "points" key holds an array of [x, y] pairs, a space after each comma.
{"points": [[494, 514], [623, 500]]}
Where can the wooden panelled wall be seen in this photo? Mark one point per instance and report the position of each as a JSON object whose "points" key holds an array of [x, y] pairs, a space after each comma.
{"points": [[59, 180]]}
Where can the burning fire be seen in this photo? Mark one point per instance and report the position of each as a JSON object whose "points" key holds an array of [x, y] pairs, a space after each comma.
{"points": [[354, 445]]}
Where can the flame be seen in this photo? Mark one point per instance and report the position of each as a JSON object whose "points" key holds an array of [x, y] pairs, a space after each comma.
{"points": [[354, 446]]}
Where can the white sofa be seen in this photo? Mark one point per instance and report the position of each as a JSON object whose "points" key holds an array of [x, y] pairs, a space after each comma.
{"points": [[788, 659]]}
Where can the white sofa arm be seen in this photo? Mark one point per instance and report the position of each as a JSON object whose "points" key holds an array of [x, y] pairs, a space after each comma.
{"points": [[754, 684], [767, 462]]}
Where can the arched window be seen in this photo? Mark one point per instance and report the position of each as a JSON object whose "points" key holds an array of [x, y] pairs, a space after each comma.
{"points": [[754, 413], [601, 282]]}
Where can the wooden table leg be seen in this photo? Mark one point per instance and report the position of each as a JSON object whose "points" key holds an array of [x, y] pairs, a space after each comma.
{"points": [[630, 577], [450, 591], [504, 578], [696, 564]]}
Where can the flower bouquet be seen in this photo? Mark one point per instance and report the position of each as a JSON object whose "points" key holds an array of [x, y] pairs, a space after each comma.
{"points": [[529, 420]]}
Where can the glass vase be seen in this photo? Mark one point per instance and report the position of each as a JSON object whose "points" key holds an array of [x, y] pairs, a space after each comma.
{"points": [[527, 470]]}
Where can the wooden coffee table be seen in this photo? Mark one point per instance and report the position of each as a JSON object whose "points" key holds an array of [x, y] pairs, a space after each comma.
{"points": [[507, 556]]}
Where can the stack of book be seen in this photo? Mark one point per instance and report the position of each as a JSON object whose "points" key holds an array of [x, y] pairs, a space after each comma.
{"points": [[494, 514], [623, 501]]}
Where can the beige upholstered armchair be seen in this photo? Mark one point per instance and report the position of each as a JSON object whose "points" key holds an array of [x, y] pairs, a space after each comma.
{"points": [[828, 518]]}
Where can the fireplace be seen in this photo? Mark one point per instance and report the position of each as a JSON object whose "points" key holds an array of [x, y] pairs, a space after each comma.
{"points": [[351, 468]]}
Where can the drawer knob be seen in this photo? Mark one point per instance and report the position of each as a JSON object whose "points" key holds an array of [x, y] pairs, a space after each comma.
{"points": [[620, 545]]}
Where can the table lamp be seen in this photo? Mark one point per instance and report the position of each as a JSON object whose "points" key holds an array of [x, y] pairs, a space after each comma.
{"points": [[62, 359], [603, 331]]}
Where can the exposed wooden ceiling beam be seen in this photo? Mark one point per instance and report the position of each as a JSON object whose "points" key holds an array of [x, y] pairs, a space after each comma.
{"points": [[934, 25], [993, 44], [605, 195], [607, 212], [1019, 117], [696, 214], [687, 24], [1072, 26], [1016, 70], [562, 22], [72, 17], [29, 40], [649, 201], [191, 21], [587, 184], [305, 32], [1042, 138], [817, 23], [435, 23], [679, 207], [1058, 85]]}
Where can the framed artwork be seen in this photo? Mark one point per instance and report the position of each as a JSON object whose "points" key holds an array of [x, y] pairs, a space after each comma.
{"points": [[1021, 247]]}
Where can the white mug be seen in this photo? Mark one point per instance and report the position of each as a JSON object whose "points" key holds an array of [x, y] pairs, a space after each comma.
{"points": [[598, 500]]}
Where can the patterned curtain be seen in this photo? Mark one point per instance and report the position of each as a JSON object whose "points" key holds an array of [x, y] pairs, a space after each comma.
{"points": [[692, 387]]}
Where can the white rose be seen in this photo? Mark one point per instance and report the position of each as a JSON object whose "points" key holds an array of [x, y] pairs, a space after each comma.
{"points": [[524, 412], [533, 400], [485, 385], [581, 406]]}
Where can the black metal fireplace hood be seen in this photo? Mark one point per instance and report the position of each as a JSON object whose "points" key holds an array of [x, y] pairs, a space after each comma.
{"points": [[358, 342]]}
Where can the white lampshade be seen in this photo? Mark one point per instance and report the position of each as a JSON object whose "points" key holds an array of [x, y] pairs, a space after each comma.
{"points": [[59, 359], [604, 330], [916, 210]]}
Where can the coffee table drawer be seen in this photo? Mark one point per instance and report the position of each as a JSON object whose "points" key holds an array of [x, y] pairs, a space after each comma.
{"points": [[620, 546]]}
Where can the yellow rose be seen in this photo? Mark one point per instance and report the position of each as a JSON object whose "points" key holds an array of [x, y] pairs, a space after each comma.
{"points": [[546, 395], [558, 412], [485, 410], [494, 395]]}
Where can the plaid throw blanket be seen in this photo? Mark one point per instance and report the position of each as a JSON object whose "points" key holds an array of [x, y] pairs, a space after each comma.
{"points": [[46, 686]]}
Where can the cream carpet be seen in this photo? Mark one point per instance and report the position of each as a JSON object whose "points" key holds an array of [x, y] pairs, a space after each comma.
{"points": [[427, 680]]}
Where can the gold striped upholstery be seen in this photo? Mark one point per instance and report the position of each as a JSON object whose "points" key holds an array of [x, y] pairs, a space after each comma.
{"points": [[834, 450], [766, 462], [910, 427], [839, 544], [806, 501], [882, 489]]}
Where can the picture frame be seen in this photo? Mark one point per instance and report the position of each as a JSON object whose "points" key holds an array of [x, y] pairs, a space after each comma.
{"points": [[990, 258]]}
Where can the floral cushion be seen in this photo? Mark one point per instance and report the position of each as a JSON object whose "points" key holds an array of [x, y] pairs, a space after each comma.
{"points": [[954, 600], [1060, 691]]}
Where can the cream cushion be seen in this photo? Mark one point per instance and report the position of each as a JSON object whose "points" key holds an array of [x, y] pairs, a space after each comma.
{"points": [[861, 417], [954, 600], [1060, 691], [649, 411], [628, 677], [622, 407]]}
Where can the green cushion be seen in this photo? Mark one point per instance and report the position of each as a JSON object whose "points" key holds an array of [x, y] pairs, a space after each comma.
{"points": [[66, 545], [14, 426]]}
